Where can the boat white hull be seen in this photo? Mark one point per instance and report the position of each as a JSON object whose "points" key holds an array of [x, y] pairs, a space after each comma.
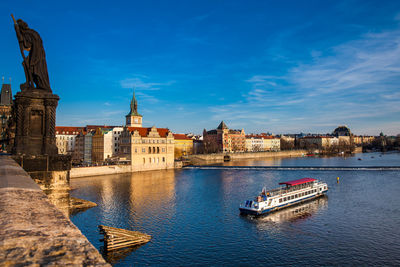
{"points": [[252, 211]]}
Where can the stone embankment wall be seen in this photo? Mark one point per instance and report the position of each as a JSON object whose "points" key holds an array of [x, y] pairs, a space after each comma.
{"points": [[99, 170], [219, 157], [111, 169], [33, 232]]}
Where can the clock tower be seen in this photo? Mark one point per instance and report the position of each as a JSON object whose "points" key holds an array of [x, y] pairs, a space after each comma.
{"points": [[133, 119]]}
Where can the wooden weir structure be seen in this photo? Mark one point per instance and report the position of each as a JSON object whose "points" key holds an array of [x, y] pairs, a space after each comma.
{"points": [[115, 238]]}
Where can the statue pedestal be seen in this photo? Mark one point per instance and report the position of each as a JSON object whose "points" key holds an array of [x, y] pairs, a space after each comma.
{"points": [[35, 117], [35, 144]]}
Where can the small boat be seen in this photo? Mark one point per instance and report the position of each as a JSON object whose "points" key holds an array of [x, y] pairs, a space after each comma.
{"points": [[294, 192]]}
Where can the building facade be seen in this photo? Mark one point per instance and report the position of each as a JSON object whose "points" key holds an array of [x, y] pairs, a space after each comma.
{"points": [[272, 143], [116, 135], [65, 138], [224, 140], [102, 145], [87, 150], [262, 142], [254, 143], [318, 142], [183, 145], [5, 115], [147, 148]]}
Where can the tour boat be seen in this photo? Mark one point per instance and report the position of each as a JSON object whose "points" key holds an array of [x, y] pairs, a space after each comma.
{"points": [[292, 193]]}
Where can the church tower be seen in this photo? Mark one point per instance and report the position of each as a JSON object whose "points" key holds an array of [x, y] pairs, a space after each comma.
{"points": [[134, 119]]}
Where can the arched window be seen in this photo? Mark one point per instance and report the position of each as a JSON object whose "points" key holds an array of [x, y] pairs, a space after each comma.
{"points": [[154, 150], [144, 161], [149, 150], [149, 160], [163, 159], [158, 150]]}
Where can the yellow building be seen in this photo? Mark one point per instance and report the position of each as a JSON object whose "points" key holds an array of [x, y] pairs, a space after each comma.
{"points": [[102, 145], [183, 145], [147, 148], [272, 143]]}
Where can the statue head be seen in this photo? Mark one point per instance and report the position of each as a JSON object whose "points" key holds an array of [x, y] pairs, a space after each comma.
{"points": [[22, 24]]}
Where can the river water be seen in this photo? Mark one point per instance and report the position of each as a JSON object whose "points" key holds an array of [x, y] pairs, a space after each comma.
{"points": [[193, 215]]}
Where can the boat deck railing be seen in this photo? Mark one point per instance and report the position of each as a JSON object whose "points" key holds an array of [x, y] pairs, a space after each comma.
{"points": [[284, 190]]}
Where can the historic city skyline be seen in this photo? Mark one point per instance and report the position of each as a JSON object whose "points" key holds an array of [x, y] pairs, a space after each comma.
{"points": [[280, 67]]}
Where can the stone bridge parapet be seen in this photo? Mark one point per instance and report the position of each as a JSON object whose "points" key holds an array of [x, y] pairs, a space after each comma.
{"points": [[32, 230]]}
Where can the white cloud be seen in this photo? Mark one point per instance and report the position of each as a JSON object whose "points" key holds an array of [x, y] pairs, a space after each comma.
{"points": [[139, 83], [356, 83]]}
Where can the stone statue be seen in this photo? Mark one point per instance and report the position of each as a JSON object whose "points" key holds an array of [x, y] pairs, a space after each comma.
{"points": [[35, 66]]}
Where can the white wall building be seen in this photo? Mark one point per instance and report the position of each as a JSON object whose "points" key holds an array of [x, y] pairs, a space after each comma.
{"points": [[65, 138]]}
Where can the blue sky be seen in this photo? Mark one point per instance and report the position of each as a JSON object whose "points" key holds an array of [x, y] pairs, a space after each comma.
{"points": [[277, 66]]}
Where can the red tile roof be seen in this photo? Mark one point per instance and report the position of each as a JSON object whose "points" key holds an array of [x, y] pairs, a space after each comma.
{"points": [[181, 137], [68, 130], [144, 132], [94, 127]]}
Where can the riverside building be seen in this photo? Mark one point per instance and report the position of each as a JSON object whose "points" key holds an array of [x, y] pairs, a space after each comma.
{"points": [[5, 115], [183, 145], [318, 142], [262, 142], [224, 140], [145, 148], [102, 145], [66, 137]]}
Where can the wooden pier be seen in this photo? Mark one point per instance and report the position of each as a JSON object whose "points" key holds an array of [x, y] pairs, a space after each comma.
{"points": [[115, 238]]}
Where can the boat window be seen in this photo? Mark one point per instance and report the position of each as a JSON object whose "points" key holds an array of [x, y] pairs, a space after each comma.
{"points": [[324, 187], [284, 199], [280, 200], [296, 196]]}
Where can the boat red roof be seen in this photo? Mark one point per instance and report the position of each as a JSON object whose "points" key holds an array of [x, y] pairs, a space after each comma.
{"points": [[299, 181]]}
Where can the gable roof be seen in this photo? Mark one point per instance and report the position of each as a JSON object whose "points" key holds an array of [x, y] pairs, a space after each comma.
{"points": [[144, 132]]}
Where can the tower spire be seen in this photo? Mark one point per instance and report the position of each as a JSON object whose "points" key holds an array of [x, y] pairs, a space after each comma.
{"points": [[134, 104], [134, 119]]}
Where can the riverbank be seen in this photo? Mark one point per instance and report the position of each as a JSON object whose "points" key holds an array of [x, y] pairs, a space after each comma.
{"points": [[204, 159], [199, 159]]}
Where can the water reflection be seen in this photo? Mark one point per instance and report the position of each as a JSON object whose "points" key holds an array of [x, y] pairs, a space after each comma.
{"points": [[116, 256], [131, 198], [293, 214], [60, 198]]}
